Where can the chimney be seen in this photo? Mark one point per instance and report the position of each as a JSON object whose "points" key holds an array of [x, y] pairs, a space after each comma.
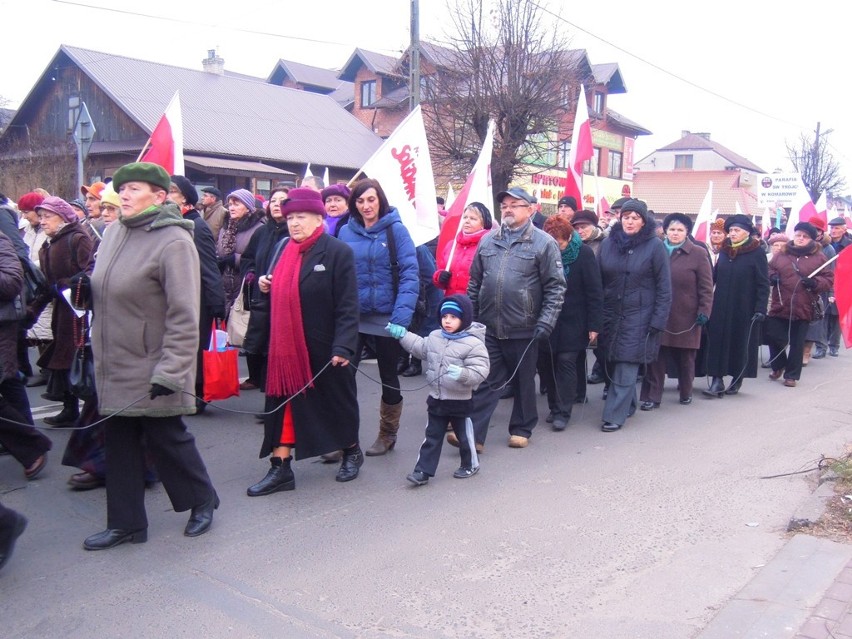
{"points": [[684, 133], [213, 63]]}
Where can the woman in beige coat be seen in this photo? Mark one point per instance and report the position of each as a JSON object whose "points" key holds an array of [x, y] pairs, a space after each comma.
{"points": [[145, 295]]}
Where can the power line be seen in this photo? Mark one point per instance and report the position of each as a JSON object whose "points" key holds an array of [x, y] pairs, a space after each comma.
{"points": [[196, 23]]}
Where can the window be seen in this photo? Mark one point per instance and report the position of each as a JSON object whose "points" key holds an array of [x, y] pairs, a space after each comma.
{"points": [[598, 104], [562, 154], [614, 165], [587, 166], [683, 161], [368, 93]]}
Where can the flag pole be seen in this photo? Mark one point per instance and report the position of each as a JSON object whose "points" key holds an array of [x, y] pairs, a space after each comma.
{"points": [[144, 148], [354, 177], [452, 252], [822, 266]]}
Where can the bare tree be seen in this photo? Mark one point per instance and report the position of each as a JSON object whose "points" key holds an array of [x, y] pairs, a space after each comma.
{"points": [[503, 62], [817, 166]]}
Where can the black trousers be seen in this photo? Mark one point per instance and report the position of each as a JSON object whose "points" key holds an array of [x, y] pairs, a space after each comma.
{"points": [[561, 379], [505, 355], [777, 331], [175, 455], [24, 443], [436, 428], [388, 351]]}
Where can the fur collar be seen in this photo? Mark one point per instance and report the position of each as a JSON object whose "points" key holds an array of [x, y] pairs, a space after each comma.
{"points": [[751, 245], [811, 248]]}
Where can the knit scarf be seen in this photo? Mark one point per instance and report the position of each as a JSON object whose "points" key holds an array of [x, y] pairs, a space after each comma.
{"points": [[746, 246], [569, 253], [289, 364], [671, 248]]}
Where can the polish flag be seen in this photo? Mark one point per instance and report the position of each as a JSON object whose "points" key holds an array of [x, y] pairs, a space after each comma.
{"points": [[822, 207], [308, 172], [705, 217], [403, 166], [451, 196], [165, 146], [603, 206], [801, 209], [843, 294], [581, 149], [477, 188]]}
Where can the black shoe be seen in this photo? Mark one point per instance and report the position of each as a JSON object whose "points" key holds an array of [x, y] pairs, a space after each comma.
{"points": [[112, 537], [414, 369], [418, 478], [65, 419], [834, 351], [402, 364], [819, 352], [200, 406], [735, 388], [201, 517], [560, 423], [610, 428], [353, 459], [463, 472], [717, 388], [550, 417], [649, 405], [279, 477], [595, 378], [686, 400], [9, 535]]}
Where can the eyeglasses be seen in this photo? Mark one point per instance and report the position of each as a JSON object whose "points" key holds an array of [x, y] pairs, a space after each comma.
{"points": [[504, 207]]}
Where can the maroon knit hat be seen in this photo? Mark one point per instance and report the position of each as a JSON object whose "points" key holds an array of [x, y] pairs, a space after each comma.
{"points": [[29, 201], [336, 189], [303, 200]]}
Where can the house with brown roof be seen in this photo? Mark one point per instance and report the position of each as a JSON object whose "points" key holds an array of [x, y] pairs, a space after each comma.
{"points": [[676, 177], [381, 90], [239, 131]]}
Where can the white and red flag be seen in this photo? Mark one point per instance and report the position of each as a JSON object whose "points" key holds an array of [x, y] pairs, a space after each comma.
{"points": [[801, 209], [403, 167], [843, 294], [705, 217], [477, 188], [581, 149], [822, 207], [165, 146]]}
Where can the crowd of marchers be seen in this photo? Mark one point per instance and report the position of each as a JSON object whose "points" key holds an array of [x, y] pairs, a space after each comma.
{"points": [[138, 271]]}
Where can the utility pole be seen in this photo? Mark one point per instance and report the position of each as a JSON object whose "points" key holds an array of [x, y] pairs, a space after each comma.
{"points": [[815, 173], [414, 59]]}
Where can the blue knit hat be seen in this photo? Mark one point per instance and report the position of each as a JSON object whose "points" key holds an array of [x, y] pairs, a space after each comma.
{"points": [[460, 306], [244, 196]]}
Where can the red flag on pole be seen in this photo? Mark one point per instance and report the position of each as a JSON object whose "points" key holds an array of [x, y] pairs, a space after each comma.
{"points": [[843, 294], [581, 149], [165, 147]]}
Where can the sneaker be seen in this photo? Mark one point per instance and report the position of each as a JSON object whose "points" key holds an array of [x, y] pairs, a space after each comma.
{"points": [[518, 441], [610, 428], [464, 472], [418, 478]]}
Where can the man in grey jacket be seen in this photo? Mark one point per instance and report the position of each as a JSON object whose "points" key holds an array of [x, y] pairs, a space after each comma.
{"points": [[517, 286]]}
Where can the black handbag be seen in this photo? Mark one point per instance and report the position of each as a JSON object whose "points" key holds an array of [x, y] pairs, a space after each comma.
{"points": [[81, 376]]}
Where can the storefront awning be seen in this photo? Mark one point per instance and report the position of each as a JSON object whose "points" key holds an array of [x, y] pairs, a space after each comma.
{"points": [[238, 168]]}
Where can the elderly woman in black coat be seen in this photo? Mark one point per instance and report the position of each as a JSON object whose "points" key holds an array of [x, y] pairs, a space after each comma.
{"points": [[692, 299], [739, 307], [578, 323], [314, 334], [637, 298]]}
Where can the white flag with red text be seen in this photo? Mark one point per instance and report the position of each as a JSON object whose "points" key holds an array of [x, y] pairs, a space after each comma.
{"points": [[165, 147], [403, 167]]}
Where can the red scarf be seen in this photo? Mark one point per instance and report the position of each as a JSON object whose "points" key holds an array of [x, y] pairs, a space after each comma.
{"points": [[289, 364]]}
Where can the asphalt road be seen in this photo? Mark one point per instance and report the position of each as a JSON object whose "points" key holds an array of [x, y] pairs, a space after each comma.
{"points": [[642, 533]]}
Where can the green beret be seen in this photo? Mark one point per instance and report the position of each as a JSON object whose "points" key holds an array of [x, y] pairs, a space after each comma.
{"points": [[142, 172]]}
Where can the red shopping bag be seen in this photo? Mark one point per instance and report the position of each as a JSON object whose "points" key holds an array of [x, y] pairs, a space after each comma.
{"points": [[221, 372]]}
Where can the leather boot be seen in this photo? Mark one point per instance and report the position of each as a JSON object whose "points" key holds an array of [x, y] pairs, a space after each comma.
{"points": [[389, 415], [717, 388], [414, 369], [402, 364], [353, 459], [279, 477], [68, 416]]}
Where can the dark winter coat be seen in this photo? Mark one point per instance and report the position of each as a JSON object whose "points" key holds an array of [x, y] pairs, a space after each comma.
{"points": [[264, 246], [582, 309], [789, 299], [246, 227], [212, 292], [692, 294], [637, 294], [326, 416], [11, 283], [67, 253], [9, 227], [372, 261], [517, 285], [742, 289]]}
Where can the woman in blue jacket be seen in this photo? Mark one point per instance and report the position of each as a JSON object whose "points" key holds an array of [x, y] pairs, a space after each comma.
{"points": [[388, 286]]}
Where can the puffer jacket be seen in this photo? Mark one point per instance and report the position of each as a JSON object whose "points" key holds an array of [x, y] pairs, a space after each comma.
{"points": [[372, 263], [516, 286], [438, 352], [465, 248], [789, 299]]}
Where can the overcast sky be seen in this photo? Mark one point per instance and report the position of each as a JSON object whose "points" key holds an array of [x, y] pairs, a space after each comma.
{"points": [[786, 68]]}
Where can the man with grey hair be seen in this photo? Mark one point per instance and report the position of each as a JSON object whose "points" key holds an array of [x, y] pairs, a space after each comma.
{"points": [[313, 182]]}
